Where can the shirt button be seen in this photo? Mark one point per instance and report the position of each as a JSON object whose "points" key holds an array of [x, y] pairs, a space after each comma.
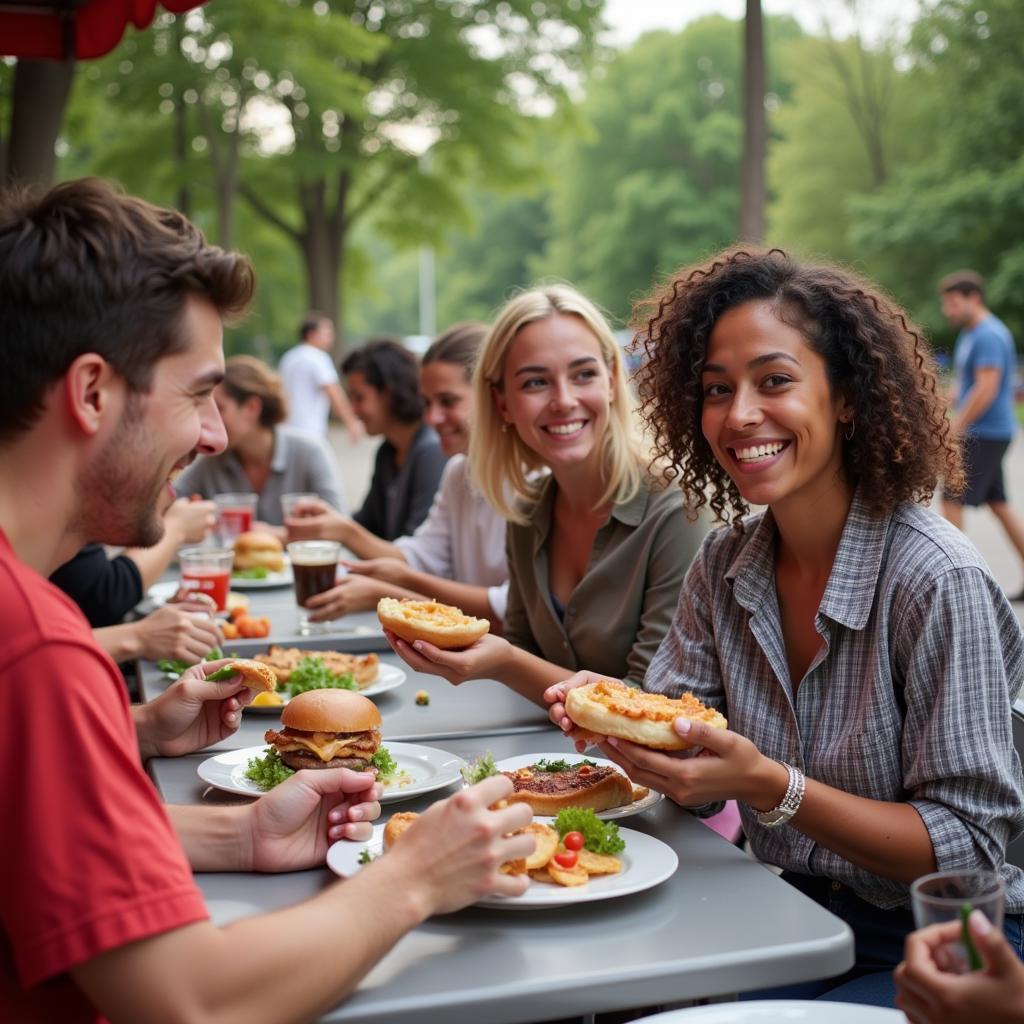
{"points": [[836, 886]]}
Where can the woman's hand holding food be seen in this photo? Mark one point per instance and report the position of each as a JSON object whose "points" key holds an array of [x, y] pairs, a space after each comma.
{"points": [[729, 767], [313, 519], [483, 659], [183, 631], [192, 713], [351, 594], [452, 853], [555, 696], [929, 995], [291, 827]]}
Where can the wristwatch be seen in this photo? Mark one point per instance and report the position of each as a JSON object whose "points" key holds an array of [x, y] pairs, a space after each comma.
{"points": [[790, 802]]}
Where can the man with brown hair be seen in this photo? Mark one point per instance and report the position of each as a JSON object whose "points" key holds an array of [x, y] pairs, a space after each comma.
{"points": [[112, 312], [984, 360]]}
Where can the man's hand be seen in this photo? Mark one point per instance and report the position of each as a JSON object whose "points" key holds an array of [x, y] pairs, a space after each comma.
{"points": [[386, 570], [183, 631], [192, 713], [452, 852], [352, 594], [929, 995], [484, 659], [190, 521], [291, 827], [313, 519]]}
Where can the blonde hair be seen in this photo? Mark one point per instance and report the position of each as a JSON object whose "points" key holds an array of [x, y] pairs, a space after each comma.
{"points": [[245, 376], [501, 464]]}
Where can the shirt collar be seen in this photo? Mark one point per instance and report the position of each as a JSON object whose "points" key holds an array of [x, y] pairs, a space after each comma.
{"points": [[850, 592]]}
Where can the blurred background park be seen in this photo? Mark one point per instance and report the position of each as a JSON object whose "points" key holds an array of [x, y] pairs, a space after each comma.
{"points": [[402, 164]]}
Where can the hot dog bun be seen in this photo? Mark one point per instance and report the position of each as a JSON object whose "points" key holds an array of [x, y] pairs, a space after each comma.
{"points": [[439, 624], [611, 708]]}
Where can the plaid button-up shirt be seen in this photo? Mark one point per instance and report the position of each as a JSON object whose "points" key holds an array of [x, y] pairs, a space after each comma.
{"points": [[909, 698]]}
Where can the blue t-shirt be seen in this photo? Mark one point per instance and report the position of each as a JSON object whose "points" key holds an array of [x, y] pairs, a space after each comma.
{"points": [[990, 344]]}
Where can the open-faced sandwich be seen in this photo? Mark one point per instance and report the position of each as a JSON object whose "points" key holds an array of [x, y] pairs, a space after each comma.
{"points": [[442, 625], [284, 660], [548, 786]]}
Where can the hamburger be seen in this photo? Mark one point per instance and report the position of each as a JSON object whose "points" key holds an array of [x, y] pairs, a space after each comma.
{"points": [[327, 729], [610, 708], [257, 549]]}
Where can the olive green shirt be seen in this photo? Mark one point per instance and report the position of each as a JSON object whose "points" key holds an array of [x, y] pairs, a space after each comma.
{"points": [[621, 610]]}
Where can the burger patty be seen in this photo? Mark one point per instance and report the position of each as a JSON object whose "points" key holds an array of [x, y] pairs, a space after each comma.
{"points": [[572, 780], [299, 759]]}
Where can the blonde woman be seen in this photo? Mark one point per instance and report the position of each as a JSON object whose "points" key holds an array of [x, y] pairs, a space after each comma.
{"points": [[597, 548], [262, 456]]}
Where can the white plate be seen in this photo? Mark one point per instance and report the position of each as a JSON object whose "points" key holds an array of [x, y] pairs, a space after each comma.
{"points": [[388, 678], [646, 862], [160, 593], [272, 579], [771, 1011], [510, 764], [429, 768]]}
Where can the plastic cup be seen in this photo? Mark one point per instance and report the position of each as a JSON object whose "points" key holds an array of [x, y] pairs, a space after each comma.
{"points": [[208, 571], [289, 501], [235, 513], [949, 896], [314, 568]]}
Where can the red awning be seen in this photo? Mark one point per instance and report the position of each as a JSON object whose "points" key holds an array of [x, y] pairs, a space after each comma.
{"points": [[58, 29]]}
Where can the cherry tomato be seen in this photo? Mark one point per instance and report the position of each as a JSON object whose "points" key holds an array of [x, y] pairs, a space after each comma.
{"points": [[567, 858], [573, 841]]}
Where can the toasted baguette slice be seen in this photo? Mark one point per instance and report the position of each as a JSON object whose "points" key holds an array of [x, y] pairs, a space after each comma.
{"points": [[439, 624], [255, 675], [610, 708], [547, 793]]}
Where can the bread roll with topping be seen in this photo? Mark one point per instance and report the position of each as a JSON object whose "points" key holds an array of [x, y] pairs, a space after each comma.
{"points": [[442, 625]]}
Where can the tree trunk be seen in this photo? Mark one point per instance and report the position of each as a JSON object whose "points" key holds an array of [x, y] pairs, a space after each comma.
{"points": [[323, 269], [41, 90], [755, 127], [184, 200]]}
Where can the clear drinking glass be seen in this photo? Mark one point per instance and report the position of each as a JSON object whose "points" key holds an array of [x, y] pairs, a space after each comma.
{"points": [[289, 501], [207, 570], [314, 567], [235, 513], [950, 896]]}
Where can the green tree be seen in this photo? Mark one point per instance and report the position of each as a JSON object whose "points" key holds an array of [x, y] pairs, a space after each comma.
{"points": [[655, 182]]}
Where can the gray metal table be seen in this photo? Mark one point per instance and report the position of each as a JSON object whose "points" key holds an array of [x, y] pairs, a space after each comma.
{"points": [[721, 924]]}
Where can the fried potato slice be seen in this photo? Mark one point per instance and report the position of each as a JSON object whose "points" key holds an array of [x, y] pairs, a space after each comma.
{"points": [[567, 876], [541, 875], [599, 863], [513, 867], [547, 843]]}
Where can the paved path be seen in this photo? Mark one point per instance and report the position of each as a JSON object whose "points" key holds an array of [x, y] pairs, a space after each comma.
{"points": [[355, 464]]}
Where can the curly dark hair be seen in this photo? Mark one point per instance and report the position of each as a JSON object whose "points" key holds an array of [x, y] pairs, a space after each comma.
{"points": [[391, 368], [873, 353]]}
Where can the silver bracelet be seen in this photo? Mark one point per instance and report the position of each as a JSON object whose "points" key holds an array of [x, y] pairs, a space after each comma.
{"points": [[790, 802]]}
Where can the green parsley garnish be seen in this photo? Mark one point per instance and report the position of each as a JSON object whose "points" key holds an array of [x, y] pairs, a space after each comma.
{"points": [[482, 768], [173, 667], [386, 765], [544, 765], [366, 857], [269, 770], [222, 673], [598, 836], [313, 674], [257, 572]]}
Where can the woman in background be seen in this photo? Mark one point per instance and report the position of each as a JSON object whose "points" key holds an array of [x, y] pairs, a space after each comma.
{"points": [[262, 456], [457, 554]]}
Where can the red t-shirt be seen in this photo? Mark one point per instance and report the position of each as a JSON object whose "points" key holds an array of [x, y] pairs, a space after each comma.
{"points": [[90, 861]]}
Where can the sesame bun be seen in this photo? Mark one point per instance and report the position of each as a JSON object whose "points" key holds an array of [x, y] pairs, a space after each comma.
{"points": [[442, 625], [256, 549], [610, 708], [330, 711], [255, 675]]}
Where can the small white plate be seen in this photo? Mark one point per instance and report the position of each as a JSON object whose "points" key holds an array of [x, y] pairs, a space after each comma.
{"points": [[388, 678], [771, 1011], [646, 862], [510, 764], [428, 768], [271, 580]]}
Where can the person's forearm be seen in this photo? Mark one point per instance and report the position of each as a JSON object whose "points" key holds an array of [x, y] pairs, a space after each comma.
{"points": [[887, 839], [341, 406], [364, 544], [121, 642], [269, 968], [153, 561], [976, 402], [214, 838], [471, 599], [530, 675]]}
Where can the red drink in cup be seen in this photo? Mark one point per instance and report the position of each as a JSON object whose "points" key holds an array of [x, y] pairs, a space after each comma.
{"points": [[208, 571], [235, 513]]}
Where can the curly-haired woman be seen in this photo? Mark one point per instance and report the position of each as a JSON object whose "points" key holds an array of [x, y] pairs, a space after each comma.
{"points": [[861, 650]]}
